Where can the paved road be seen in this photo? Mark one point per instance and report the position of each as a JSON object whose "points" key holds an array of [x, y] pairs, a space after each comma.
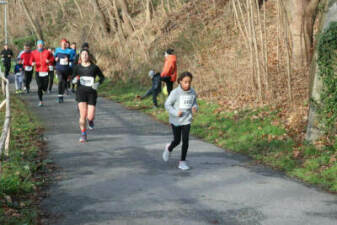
{"points": [[118, 177]]}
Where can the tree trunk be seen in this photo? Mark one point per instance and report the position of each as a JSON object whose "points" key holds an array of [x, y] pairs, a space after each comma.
{"points": [[163, 7], [62, 7], [105, 21], [118, 21], [79, 8], [309, 17], [148, 12], [126, 16], [29, 16]]}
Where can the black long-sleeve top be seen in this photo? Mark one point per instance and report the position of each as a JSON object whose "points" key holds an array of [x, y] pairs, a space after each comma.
{"points": [[87, 75]]}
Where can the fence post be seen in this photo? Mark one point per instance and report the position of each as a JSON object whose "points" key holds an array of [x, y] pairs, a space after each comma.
{"points": [[5, 135]]}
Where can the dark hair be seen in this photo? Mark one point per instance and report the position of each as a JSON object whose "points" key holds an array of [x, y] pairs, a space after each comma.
{"points": [[84, 50], [170, 51], [183, 75], [85, 45], [27, 44]]}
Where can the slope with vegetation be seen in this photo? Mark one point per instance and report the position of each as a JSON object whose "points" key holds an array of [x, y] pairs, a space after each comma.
{"points": [[250, 60]]}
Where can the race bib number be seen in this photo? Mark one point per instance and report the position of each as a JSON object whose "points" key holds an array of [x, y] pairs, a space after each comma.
{"points": [[51, 68], [86, 81], [28, 68], [64, 61], [43, 74], [186, 102]]}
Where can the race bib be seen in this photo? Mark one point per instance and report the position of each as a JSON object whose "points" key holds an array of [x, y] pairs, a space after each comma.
{"points": [[51, 68], [186, 101], [28, 68], [86, 81], [64, 61], [43, 74]]}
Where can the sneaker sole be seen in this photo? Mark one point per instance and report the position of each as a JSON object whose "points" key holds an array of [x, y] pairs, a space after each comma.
{"points": [[184, 168]]}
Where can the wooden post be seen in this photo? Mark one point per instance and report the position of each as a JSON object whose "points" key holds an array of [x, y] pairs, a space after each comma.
{"points": [[7, 140], [4, 139]]}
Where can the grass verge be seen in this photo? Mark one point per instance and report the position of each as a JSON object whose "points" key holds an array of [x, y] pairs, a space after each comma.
{"points": [[23, 172], [256, 133]]}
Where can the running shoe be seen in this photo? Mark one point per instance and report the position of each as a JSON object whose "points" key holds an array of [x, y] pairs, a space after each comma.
{"points": [[183, 165], [83, 138], [60, 99], [91, 125], [40, 104], [166, 153]]}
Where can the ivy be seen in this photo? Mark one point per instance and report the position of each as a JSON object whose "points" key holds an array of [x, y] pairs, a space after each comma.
{"points": [[327, 63]]}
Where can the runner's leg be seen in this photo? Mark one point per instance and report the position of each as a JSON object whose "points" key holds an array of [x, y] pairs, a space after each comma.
{"points": [[176, 130], [185, 131], [51, 80], [39, 86], [83, 108], [28, 78], [91, 112]]}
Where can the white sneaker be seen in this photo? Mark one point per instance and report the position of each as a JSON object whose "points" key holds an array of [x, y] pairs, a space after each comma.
{"points": [[183, 165], [166, 153]]}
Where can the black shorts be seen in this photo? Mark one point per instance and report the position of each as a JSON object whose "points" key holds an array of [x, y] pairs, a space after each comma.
{"points": [[88, 96]]}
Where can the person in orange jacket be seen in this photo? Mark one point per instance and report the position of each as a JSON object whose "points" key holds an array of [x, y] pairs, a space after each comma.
{"points": [[41, 60], [169, 73]]}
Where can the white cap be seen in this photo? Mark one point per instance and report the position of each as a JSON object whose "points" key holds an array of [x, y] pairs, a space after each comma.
{"points": [[151, 73]]}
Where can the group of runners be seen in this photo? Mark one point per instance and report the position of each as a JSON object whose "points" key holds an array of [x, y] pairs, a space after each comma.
{"points": [[82, 71]]}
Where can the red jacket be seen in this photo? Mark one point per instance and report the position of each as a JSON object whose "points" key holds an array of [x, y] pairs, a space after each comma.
{"points": [[40, 58], [27, 59], [170, 67]]}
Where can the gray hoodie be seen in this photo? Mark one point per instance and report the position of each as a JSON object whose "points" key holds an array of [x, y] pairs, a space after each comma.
{"points": [[180, 100]]}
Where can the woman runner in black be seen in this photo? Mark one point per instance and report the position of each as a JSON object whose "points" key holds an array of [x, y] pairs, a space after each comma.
{"points": [[84, 74]]}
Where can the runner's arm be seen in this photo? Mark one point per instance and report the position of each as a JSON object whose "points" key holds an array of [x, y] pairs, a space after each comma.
{"points": [[195, 104], [100, 75], [75, 73], [169, 104]]}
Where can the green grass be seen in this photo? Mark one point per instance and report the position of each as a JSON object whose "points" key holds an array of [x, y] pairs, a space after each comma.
{"points": [[250, 132], [22, 171]]}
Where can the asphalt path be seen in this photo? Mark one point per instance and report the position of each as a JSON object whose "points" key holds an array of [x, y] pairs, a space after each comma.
{"points": [[119, 178]]}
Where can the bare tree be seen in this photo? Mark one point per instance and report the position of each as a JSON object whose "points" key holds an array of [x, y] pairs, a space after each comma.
{"points": [[105, 20], [37, 31], [79, 8], [148, 11], [309, 17], [127, 21]]}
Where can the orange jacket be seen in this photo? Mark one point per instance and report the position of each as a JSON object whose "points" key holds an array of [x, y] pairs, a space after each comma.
{"points": [[170, 67]]}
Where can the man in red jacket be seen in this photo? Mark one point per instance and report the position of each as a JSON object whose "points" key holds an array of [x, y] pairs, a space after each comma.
{"points": [[27, 60], [169, 73], [41, 60]]}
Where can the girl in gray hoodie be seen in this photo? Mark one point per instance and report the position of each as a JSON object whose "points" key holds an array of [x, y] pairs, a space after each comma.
{"points": [[181, 105]]}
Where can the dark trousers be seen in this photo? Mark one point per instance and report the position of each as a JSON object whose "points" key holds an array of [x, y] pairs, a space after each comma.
{"points": [[28, 79], [42, 84], [51, 80], [7, 66], [169, 84], [178, 133], [62, 77], [154, 94]]}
